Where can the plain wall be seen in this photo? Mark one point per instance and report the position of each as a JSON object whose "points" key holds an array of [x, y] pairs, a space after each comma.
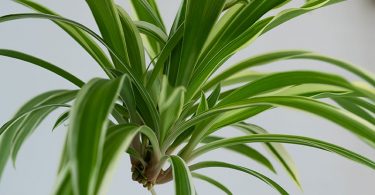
{"points": [[345, 31]]}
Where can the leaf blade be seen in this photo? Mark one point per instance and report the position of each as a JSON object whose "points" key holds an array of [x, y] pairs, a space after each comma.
{"points": [[7, 134], [108, 21], [299, 140], [213, 182], [134, 45], [258, 175], [347, 120], [117, 140], [89, 119], [246, 151], [43, 64], [198, 24], [182, 177], [276, 149], [78, 35]]}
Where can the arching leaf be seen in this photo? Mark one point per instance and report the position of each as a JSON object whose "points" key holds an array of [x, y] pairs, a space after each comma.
{"points": [[244, 150], [78, 35], [299, 140], [182, 177], [41, 63], [260, 176], [87, 130], [213, 182]]}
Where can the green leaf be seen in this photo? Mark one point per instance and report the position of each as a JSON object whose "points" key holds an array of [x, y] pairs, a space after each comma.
{"points": [[233, 37], [244, 150], [228, 45], [353, 108], [213, 182], [22, 127], [155, 10], [347, 120], [64, 159], [146, 10], [183, 128], [242, 77], [362, 103], [147, 109], [78, 35], [260, 176], [219, 28], [62, 118], [252, 12], [171, 67], [204, 35], [147, 102], [37, 107], [133, 41], [170, 106], [231, 3], [32, 120], [198, 24], [21, 116], [41, 63], [364, 74], [284, 79], [136, 101], [197, 135], [121, 114], [152, 31], [116, 142], [276, 149], [290, 139], [267, 58], [72, 23], [244, 113], [214, 96], [127, 94], [108, 21], [197, 131], [64, 183], [291, 13], [87, 130], [164, 54], [308, 90], [182, 177], [203, 105], [316, 91]]}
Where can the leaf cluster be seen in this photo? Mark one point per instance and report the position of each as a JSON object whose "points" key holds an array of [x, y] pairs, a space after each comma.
{"points": [[167, 113]]}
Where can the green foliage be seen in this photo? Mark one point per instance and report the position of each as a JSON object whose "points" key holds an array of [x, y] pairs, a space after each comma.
{"points": [[165, 113]]}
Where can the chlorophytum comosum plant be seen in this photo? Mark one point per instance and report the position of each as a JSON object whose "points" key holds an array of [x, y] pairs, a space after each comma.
{"points": [[165, 113]]}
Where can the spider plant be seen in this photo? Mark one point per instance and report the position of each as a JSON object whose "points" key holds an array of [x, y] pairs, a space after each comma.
{"points": [[164, 114]]}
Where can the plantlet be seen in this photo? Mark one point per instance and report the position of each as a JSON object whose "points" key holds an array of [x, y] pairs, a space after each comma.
{"points": [[166, 113]]}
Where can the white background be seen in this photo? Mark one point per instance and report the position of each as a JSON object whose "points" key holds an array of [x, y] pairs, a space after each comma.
{"points": [[345, 31]]}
